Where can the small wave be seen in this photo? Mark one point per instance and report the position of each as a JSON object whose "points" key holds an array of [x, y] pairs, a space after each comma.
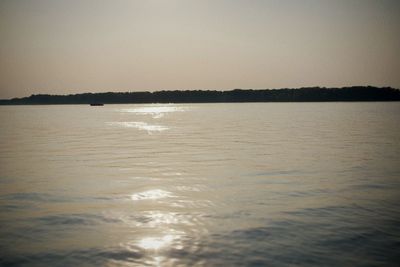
{"points": [[86, 257], [41, 197], [76, 219]]}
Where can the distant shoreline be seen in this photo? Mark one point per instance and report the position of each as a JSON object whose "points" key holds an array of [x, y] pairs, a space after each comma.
{"points": [[305, 94]]}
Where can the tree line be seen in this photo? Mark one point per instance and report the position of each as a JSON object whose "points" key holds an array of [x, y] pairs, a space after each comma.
{"points": [[305, 94]]}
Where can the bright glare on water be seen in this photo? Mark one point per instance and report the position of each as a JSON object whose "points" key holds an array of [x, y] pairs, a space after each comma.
{"points": [[255, 184]]}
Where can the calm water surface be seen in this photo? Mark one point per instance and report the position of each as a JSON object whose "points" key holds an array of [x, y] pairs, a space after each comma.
{"points": [[269, 184]]}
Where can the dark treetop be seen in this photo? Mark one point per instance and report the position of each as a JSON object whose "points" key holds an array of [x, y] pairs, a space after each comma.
{"points": [[309, 94]]}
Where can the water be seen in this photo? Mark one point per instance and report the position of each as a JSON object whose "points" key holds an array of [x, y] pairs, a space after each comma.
{"points": [[266, 184]]}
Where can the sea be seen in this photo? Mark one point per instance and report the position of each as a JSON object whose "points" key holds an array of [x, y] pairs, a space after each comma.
{"points": [[224, 184]]}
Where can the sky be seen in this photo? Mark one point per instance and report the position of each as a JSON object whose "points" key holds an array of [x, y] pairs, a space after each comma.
{"points": [[76, 46]]}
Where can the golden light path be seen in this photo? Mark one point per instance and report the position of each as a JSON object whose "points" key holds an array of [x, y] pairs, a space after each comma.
{"points": [[163, 236]]}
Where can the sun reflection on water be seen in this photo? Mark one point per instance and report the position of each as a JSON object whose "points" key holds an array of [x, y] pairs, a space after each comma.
{"points": [[151, 195], [141, 126], [163, 230], [158, 218], [155, 111], [156, 242]]}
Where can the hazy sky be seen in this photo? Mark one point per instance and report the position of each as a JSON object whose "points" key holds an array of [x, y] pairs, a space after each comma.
{"points": [[61, 47]]}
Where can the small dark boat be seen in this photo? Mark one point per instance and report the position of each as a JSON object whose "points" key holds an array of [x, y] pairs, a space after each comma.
{"points": [[96, 104]]}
